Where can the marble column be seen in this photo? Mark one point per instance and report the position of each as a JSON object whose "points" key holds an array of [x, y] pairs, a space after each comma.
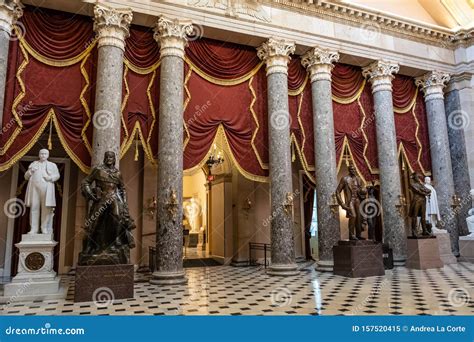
{"points": [[10, 11], [458, 119], [276, 55], [112, 28], [432, 85], [380, 74], [171, 34], [319, 63]]}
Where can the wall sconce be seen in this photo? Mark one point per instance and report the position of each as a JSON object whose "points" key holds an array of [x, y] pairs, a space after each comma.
{"points": [[150, 209], [402, 202], [247, 204], [288, 204], [334, 205], [456, 202], [214, 159], [172, 205]]}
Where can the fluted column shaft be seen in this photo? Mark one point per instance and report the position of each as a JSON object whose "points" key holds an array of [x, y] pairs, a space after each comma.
{"points": [[10, 11], [112, 28], [172, 36], [319, 63], [276, 53], [380, 75], [432, 85]]}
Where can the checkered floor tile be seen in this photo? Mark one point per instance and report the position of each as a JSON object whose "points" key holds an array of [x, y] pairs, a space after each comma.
{"points": [[226, 290]]}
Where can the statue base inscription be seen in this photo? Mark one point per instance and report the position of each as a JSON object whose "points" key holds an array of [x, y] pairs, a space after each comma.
{"points": [[445, 253], [36, 278], [466, 248], [362, 258], [423, 253], [100, 283]]}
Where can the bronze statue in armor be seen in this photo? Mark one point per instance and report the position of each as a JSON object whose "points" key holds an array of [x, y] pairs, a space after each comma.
{"points": [[108, 225]]}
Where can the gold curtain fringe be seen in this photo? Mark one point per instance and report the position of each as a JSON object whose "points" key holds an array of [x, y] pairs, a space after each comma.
{"points": [[263, 165], [186, 102], [407, 108], [372, 170], [299, 90], [308, 170], [339, 163], [139, 70], [356, 96], [221, 81], [85, 105]]}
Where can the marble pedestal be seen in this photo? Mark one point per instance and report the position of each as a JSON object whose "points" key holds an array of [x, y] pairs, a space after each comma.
{"points": [[358, 259], [423, 253], [466, 249], [444, 243], [36, 278], [103, 283]]}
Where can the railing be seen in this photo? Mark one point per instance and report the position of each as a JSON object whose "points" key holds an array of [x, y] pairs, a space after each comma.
{"points": [[256, 246]]}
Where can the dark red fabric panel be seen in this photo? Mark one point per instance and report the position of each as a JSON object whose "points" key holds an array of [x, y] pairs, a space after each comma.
{"points": [[423, 135], [296, 73], [141, 48], [346, 80], [403, 91], [56, 35], [212, 105], [222, 59]]}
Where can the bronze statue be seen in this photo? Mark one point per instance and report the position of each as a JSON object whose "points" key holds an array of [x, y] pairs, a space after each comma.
{"points": [[418, 204], [108, 225], [354, 194]]}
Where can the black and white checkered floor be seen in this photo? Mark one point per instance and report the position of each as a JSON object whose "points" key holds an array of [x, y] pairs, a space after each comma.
{"points": [[226, 290]]}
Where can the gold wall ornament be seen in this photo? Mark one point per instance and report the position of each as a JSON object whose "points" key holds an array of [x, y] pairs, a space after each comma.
{"points": [[333, 204], [247, 204], [288, 204], [150, 208], [173, 204], [402, 202]]}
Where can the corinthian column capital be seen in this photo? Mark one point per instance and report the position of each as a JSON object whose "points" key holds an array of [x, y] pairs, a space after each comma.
{"points": [[319, 63], [276, 55], [432, 84], [112, 25], [380, 74], [172, 35], [10, 12]]}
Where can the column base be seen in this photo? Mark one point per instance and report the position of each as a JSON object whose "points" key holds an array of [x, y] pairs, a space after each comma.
{"points": [[325, 265], [283, 270], [168, 278], [399, 262]]}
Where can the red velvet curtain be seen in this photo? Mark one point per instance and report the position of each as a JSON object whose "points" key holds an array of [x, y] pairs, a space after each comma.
{"points": [[141, 49], [222, 60], [44, 84]]}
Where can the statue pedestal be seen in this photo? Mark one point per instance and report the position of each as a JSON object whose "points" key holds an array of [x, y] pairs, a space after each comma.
{"points": [[36, 278], [444, 242], [423, 253], [363, 258], [103, 283], [466, 248]]}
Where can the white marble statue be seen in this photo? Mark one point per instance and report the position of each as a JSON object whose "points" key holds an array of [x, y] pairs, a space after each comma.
{"points": [[470, 221], [40, 197], [432, 208]]}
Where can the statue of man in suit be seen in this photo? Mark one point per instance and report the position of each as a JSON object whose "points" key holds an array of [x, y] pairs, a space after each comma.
{"points": [[354, 193], [418, 204], [40, 197]]}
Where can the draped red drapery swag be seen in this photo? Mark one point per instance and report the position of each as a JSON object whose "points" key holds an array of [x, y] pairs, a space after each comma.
{"points": [[51, 77]]}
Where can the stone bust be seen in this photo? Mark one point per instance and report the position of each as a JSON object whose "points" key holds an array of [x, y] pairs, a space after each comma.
{"points": [[40, 196]]}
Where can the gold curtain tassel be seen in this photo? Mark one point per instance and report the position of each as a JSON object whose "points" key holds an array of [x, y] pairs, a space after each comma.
{"points": [[136, 150], [293, 155]]}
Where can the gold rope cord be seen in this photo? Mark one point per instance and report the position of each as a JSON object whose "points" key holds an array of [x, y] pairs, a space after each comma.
{"points": [[345, 145], [84, 104], [124, 104], [372, 170], [263, 165], [153, 114], [186, 102], [306, 169], [220, 81], [137, 130]]}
